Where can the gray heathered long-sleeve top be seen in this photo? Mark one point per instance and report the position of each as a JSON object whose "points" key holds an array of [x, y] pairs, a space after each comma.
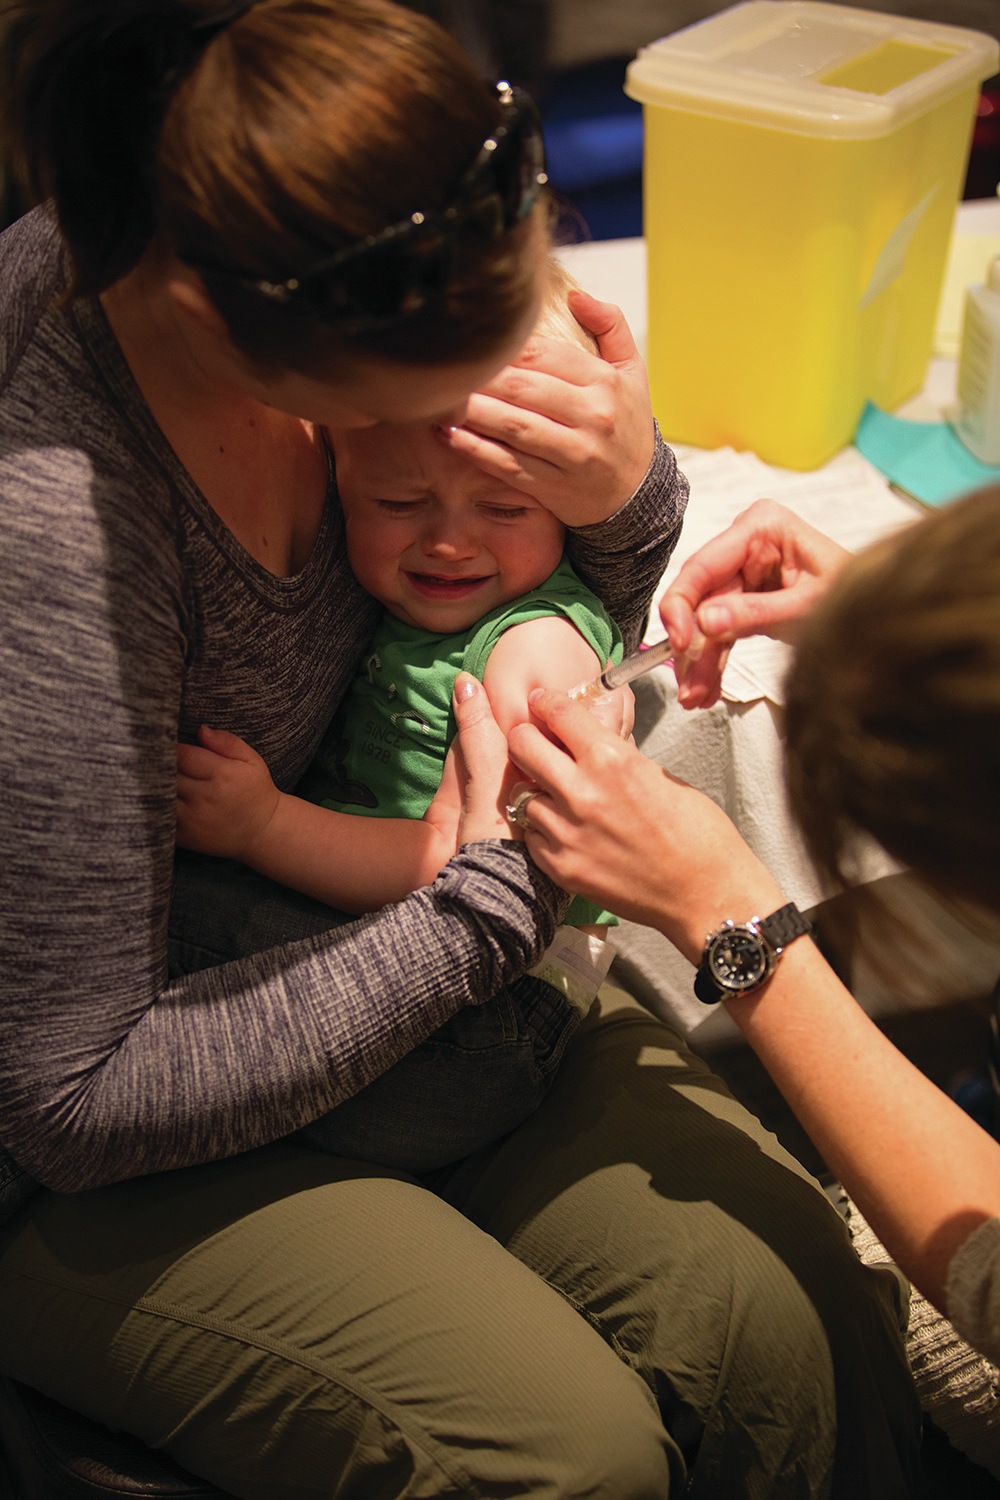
{"points": [[129, 616]]}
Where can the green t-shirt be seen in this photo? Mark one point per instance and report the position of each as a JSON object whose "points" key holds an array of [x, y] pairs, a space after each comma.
{"points": [[396, 722]]}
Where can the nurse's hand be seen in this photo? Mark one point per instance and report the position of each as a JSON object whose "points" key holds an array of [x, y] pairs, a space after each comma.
{"points": [[571, 428], [762, 576], [610, 824]]}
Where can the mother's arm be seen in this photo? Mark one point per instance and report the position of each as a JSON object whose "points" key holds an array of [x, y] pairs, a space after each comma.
{"points": [[623, 558], [107, 1069]]}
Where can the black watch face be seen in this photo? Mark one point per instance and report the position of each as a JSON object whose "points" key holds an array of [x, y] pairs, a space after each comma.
{"points": [[737, 959]]}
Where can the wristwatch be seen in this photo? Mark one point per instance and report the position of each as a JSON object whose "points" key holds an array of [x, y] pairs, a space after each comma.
{"points": [[741, 956]]}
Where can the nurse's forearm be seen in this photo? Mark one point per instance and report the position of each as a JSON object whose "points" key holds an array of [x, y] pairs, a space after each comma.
{"points": [[922, 1171]]}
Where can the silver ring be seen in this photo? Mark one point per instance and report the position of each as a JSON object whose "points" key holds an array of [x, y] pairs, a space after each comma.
{"points": [[517, 810]]}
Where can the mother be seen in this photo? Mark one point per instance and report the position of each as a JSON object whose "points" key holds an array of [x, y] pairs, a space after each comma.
{"points": [[269, 219]]}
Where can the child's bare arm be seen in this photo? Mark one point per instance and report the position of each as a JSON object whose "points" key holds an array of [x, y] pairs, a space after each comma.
{"points": [[547, 653], [353, 863], [228, 805]]}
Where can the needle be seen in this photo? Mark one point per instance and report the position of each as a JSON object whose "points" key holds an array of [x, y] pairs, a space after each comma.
{"points": [[628, 670]]}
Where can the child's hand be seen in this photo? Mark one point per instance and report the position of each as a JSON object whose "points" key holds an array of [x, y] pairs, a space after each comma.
{"points": [[225, 795], [570, 428]]}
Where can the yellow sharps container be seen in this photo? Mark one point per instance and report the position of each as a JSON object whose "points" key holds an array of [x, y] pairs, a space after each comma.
{"points": [[802, 166]]}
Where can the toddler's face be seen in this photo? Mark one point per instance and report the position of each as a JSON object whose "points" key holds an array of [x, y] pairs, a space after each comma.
{"points": [[435, 539]]}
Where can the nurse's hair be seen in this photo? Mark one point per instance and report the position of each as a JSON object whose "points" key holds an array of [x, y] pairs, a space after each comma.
{"points": [[257, 140], [893, 707]]}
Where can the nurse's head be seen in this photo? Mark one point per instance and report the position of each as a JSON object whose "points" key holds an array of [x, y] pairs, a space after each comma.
{"points": [[893, 716]]}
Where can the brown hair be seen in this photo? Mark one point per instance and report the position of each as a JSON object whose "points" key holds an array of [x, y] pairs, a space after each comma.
{"points": [[261, 137], [893, 716]]}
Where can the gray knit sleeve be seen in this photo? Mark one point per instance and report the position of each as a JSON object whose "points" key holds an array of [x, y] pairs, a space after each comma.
{"points": [[240, 1054], [624, 558]]}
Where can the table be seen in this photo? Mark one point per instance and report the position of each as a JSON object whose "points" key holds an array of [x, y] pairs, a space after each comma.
{"points": [[733, 751]]}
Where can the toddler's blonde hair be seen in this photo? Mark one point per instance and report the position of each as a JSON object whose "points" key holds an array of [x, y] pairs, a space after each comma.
{"points": [[556, 320]]}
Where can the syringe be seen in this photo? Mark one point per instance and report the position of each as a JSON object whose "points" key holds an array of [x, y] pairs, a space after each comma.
{"points": [[628, 670]]}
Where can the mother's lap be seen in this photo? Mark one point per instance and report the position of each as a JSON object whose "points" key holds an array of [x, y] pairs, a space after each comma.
{"points": [[638, 1246]]}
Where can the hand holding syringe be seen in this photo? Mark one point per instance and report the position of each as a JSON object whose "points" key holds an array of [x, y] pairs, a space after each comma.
{"points": [[626, 671]]}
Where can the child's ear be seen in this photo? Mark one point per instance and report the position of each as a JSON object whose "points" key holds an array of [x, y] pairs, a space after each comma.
{"points": [[187, 290]]}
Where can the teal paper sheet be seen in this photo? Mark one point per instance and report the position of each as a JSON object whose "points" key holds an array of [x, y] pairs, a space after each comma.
{"points": [[926, 459]]}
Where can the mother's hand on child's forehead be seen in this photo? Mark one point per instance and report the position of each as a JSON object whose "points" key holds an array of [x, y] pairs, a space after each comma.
{"points": [[569, 427]]}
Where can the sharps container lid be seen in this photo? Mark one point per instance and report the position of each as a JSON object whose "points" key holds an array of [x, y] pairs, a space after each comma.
{"points": [[810, 67]]}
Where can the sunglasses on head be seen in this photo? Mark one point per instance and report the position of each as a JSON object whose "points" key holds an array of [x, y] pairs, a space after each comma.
{"points": [[390, 275]]}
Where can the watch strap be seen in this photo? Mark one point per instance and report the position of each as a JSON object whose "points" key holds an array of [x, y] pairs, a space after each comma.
{"points": [[705, 988], [784, 926]]}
